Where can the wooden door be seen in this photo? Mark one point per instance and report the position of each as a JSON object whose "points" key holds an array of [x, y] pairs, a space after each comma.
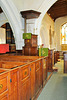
{"points": [[25, 93], [26, 51], [14, 84], [37, 76], [32, 79], [44, 71], [4, 86], [41, 73]]}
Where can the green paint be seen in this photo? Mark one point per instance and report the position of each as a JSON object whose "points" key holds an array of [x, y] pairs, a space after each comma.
{"points": [[43, 51], [26, 35]]}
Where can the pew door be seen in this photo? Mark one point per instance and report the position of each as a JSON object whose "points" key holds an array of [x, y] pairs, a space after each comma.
{"points": [[14, 84], [37, 76], [25, 93], [4, 86]]}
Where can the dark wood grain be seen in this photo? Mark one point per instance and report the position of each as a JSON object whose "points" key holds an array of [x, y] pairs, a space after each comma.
{"points": [[30, 48], [29, 14], [58, 9]]}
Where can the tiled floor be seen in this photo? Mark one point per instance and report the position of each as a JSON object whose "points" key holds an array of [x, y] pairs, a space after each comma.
{"points": [[56, 87]]}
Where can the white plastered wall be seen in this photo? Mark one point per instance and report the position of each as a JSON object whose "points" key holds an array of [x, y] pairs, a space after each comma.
{"points": [[2, 36], [3, 19], [44, 31], [58, 22]]}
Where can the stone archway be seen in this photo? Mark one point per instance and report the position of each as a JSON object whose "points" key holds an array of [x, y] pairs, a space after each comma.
{"points": [[14, 19]]}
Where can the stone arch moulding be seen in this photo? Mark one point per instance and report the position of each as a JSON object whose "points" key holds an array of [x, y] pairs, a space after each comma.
{"points": [[14, 19], [64, 23], [58, 23], [44, 8], [3, 19]]}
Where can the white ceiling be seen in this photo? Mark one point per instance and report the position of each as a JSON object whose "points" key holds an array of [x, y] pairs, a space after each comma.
{"points": [[28, 4]]}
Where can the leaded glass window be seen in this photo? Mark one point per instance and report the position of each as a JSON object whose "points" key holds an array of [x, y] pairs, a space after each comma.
{"points": [[64, 34]]}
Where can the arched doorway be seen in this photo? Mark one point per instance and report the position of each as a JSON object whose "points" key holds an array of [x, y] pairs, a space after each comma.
{"points": [[14, 19], [9, 37]]}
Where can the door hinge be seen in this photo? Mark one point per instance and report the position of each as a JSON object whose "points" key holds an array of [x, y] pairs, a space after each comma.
{"points": [[30, 69], [10, 80]]}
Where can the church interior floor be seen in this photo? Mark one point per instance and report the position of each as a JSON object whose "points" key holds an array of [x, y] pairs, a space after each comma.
{"points": [[56, 87]]}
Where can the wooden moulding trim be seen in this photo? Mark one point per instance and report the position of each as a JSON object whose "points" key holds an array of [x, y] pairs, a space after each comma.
{"points": [[29, 14]]}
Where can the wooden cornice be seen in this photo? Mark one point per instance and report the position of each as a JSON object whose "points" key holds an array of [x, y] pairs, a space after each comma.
{"points": [[30, 14]]}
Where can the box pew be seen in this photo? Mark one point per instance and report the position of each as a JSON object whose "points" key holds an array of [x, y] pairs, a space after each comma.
{"points": [[20, 78], [26, 77], [25, 59]]}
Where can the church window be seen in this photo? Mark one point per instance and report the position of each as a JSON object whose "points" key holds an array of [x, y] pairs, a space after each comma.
{"points": [[64, 34]]}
